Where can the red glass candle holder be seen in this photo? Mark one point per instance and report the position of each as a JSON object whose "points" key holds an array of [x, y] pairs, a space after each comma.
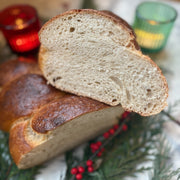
{"points": [[20, 26]]}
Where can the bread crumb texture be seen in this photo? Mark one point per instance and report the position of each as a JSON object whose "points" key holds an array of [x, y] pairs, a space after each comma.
{"points": [[93, 54]]}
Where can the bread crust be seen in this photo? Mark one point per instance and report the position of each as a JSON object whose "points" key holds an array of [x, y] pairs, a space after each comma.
{"points": [[23, 96], [106, 14], [121, 21], [63, 110], [12, 69], [18, 145]]}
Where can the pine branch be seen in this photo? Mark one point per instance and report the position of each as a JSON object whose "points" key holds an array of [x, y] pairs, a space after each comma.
{"points": [[8, 170], [127, 150], [162, 168], [171, 118]]}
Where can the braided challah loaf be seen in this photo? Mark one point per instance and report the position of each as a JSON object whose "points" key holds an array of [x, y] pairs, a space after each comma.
{"points": [[44, 122]]}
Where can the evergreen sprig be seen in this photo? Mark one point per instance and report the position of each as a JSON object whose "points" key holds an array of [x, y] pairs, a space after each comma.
{"points": [[127, 151], [162, 167], [8, 169]]}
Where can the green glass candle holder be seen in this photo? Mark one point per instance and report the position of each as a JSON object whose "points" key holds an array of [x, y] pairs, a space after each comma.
{"points": [[152, 24]]}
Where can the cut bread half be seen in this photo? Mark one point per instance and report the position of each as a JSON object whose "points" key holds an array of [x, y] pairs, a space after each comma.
{"points": [[29, 148], [43, 121], [94, 54]]}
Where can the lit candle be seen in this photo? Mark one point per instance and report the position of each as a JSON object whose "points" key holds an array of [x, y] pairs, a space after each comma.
{"points": [[149, 40], [20, 26], [152, 24]]}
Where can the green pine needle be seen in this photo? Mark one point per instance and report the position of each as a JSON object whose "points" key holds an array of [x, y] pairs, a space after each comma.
{"points": [[8, 169], [162, 168]]}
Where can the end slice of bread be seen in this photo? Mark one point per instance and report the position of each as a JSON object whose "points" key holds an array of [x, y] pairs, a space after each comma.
{"points": [[94, 54], [69, 122]]}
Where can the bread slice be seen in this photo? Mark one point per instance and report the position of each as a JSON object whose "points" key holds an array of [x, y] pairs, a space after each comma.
{"points": [[44, 121], [94, 54]]}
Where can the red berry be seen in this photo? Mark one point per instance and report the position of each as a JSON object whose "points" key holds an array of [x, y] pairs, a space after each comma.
{"points": [[125, 114], [81, 169], [78, 176], [99, 143], [116, 126], [99, 154], [89, 162], [106, 135], [90, 169], [94, 146], [102, 150], [111, 131], [74, 171], [91, 145], [124, 128], [93, 150]]}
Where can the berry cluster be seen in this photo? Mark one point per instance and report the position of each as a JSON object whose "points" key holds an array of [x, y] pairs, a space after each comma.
{"points": [[78, 171], [97, 148]]}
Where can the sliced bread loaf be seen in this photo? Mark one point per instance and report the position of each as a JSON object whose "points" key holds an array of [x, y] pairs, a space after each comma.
{"points": [[94, 54], [43, 121]]}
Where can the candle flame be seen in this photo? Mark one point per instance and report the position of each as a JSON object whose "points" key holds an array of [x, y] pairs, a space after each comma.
{"points": [[152, 22], [19, 23]]}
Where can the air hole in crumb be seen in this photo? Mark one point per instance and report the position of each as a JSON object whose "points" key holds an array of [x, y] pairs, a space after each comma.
{"points": [[114, 100], [97, 82], [57, 78], [89, 83], [129, 66], [69, 18], [102, 70], [57, 27], [111, 33], [79, 20], [145, 109], [149, 105], [72, 29], [149, 92]]}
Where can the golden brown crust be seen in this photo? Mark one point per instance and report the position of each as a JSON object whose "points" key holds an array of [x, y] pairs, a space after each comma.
{"points": [[12, 69], [42, 51], [121, 21], [62, 110], [17, 143], [23, 96]]}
